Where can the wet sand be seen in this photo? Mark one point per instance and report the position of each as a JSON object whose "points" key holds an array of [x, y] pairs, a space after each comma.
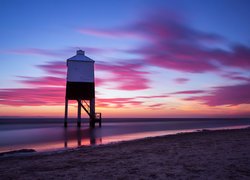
{"points": [[222, 154]]}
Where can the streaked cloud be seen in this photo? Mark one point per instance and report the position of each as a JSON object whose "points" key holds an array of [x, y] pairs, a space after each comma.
{"points": [[50, 89], [181, 80], [126, 76], [190, 92], [37, 96], [46, 81], [236, 76], [57, 53], [225, 95], [171, 43]]}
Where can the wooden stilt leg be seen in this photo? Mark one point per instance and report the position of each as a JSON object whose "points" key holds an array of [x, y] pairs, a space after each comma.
{"points": [[92, 112], [66, 113], [79, 114], [65, 138]]}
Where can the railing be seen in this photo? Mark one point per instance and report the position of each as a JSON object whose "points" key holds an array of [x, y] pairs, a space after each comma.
{"points": [[98, 115], [98, 118]]}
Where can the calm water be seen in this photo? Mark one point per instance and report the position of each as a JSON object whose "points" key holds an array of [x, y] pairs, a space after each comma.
{"points": [[49, 134]]}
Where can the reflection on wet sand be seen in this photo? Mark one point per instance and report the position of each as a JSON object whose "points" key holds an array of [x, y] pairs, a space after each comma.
{"points": [[82, 137], [48, 137]]}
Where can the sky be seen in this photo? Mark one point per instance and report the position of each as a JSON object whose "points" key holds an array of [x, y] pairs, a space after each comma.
{"points": [[153, 58]]}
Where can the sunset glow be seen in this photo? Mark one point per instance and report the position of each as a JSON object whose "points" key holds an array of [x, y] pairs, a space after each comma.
{"points": [[152, 58]]}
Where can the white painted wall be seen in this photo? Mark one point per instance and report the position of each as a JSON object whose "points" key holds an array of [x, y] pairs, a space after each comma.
{"points": [[80, 71]]}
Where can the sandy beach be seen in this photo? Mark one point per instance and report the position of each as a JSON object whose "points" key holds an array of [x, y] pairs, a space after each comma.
{"points": [[222, 154]]}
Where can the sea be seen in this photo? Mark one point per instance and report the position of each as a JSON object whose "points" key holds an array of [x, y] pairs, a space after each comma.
{"points": [[49, 134]]}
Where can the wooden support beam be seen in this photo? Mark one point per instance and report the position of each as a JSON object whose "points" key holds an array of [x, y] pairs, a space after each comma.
{"points": [[79, 113], [85, 109], [92, 112], [79, 137], [100, 120], [66, 113], [65, 138]]}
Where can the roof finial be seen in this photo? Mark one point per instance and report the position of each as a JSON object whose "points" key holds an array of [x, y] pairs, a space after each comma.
{"points": [[80, 52]]}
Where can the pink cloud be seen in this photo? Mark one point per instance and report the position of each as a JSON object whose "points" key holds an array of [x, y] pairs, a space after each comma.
{"points": [[123, 102], [117, 102], [225, 95], [46, 90], [40, 96], [192, 65], [169, 42], [50, 89], [54, 68], [126, 76], [175, 46], [181, 80], [172, 44], [100, 81], [32, 96], [43, 81], [165, 25]]}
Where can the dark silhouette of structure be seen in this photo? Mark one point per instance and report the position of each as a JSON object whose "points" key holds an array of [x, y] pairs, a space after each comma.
{"points": [[81, 87]]}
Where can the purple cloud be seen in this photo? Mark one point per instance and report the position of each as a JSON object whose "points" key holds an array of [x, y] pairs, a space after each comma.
{"points": [[181, 80], [190, 92], [152, 97], [172, 44], [239, 57], [47, 81], [126, 76], [169, 42], [50, 89], [156, 106], [54, 68], [225, 95], [236, 76]]}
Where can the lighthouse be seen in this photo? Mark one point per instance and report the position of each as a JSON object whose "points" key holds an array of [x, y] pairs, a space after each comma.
{"points": [[80, 86]]}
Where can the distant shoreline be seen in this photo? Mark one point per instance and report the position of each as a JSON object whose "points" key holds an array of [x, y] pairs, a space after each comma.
{"points": [[222, 154], [22, 120]]}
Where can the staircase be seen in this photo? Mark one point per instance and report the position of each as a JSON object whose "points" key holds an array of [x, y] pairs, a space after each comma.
{"points": [[96, 118]]}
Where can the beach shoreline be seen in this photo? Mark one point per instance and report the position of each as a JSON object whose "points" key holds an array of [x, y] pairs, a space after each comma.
{"points": [[209, 154]]}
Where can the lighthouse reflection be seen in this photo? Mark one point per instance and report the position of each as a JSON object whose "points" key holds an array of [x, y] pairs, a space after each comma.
{"points": [[82, 137]]}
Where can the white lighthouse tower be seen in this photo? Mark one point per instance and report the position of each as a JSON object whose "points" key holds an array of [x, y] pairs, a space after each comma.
{"points": [[81, 87]]}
